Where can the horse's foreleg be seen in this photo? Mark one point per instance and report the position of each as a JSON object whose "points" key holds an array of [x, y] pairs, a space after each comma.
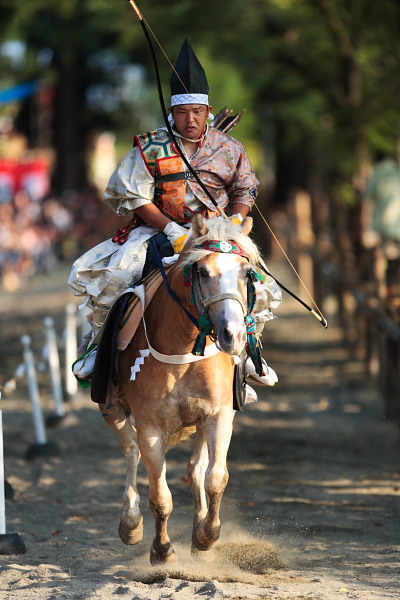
{"points": [[196, 473], [115, 415], [131, 524], [218, 433], [152, 445]]}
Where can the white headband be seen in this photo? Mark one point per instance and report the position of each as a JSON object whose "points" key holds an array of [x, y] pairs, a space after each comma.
{"points": [[189, 99]]}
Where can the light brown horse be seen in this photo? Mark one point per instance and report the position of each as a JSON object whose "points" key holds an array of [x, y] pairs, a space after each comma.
{"points": [[151, 410]]}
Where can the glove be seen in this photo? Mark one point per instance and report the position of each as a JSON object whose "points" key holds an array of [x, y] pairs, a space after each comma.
{"points": [[176, 235], [236, 219]]}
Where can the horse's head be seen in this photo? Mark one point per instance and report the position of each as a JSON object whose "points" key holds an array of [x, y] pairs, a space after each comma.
{"points": [[221, 256]]}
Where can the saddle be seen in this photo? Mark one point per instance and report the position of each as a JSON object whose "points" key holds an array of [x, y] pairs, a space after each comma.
{"points": [[104, 369], [133, 312]]}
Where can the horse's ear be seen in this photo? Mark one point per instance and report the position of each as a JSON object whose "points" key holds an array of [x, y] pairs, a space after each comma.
{"points": [[199, 227], [247, 225]]}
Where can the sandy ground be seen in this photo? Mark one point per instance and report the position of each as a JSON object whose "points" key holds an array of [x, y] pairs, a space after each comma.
{"points": [[311, 510]]}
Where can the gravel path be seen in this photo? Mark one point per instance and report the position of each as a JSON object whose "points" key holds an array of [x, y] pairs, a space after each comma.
{"points": [[311, 510]]}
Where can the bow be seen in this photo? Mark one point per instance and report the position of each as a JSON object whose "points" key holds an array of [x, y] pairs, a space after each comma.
{"points": [[142, 21], [164, 109]]}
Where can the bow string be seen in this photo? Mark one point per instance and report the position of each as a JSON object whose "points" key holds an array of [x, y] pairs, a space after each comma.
{"points": [[318, 315]]}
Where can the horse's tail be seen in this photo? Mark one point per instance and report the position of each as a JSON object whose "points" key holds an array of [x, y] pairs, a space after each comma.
{"points": [[180, 436]]}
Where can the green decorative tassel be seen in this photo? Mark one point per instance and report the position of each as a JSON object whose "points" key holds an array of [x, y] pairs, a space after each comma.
{"points": [[254, 352], [253, 345], [256, 276], [206, 329]]}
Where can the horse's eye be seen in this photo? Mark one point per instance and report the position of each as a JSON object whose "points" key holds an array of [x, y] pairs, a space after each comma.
{"points": [[202, 271]]}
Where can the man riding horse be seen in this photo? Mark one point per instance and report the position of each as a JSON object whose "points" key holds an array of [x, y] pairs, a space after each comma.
{"points": [[154, 184]]}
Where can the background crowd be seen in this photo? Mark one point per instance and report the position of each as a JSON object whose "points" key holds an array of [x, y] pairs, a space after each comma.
{"points": [[37, 235], [40, 229]]}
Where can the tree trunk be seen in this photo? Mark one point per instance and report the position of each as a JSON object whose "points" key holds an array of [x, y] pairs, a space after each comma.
{"points": [[70, 171]]}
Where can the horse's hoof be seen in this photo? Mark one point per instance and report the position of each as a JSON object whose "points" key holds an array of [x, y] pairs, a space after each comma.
{"points": [[165, 555], [131, 536], [206, 556], [202, 539]]}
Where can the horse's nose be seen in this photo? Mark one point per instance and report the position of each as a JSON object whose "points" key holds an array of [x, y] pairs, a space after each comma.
{"points": [[226, 336], [228, 321], [232, 339]]}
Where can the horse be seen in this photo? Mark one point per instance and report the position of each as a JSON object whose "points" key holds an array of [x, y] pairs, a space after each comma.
{"points": [[174, 392]]}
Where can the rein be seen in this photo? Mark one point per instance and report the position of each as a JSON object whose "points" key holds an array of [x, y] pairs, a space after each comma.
{"points": [[203, 323], [160, 265]]}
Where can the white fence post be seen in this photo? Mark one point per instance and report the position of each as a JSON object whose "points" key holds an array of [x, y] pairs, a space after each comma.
{"points": [[71, 344], [2, 479], [33, 388], [54, 365], [10, 543], [42, 447]]}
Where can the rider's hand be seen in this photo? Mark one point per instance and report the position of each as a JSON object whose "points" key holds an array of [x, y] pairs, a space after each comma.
{"points": [[176, 235], [236, 219]]}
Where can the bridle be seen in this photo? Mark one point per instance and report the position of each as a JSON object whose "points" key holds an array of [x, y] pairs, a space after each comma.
{"points": [[203, 322], [202, 304]]}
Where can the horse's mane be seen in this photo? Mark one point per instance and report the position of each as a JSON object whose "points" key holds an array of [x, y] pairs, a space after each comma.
{"points": [[219, 229]]}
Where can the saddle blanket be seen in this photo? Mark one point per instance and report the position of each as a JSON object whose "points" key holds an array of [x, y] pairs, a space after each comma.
{"points": [[133, 314]]}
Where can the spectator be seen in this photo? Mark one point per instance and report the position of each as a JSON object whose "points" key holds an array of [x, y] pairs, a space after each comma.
{"points": [[35, 235], [383, 191]]}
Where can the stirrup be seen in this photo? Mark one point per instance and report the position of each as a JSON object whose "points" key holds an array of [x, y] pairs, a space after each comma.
{"points": [[250, 395], [84, 366]]}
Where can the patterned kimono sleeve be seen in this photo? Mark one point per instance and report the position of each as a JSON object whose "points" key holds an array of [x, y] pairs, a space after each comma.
{"points": [[131, 185], [243, 187]]}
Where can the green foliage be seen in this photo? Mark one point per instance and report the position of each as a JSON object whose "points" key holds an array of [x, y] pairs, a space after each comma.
{"points": [[317, 77]]}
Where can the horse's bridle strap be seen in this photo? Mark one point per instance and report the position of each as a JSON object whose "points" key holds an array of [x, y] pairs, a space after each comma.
{"points": [[225, 296], [173, 359]]}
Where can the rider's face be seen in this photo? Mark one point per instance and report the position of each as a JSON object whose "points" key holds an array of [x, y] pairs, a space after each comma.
{"points": [[190, 119]]}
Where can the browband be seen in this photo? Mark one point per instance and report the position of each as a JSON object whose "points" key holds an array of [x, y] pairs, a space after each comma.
{"points": [[222, 246]]}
